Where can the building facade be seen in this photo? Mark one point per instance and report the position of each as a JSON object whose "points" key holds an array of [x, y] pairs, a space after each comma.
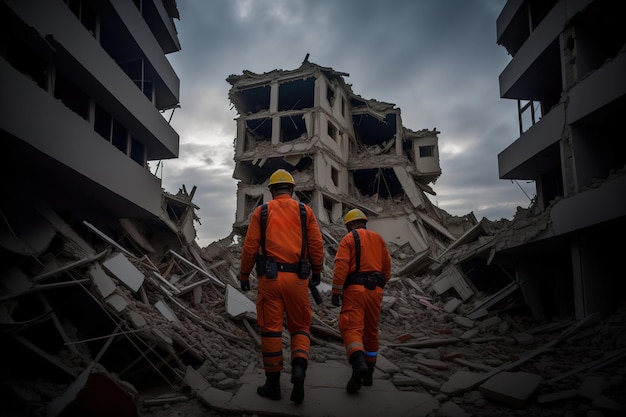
{"points": [[84, 86], [568, 75]]}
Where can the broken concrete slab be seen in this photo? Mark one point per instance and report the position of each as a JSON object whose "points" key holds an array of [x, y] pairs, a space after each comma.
{"points": [[511, 388], [120, 267], [237, 304]]}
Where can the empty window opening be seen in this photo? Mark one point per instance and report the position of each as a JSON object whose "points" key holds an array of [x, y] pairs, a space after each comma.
{"points": [[136, 71], [343, 106], [292, 127], [332, 131], [372, 131], [378, 181], [427, 151], [252, 202], [70, 95], [257, 130], [529, 113], [296, 95], [334, 176], [119, 137], [330, 95], [20, 55], [137, 151], [103, 123], [305, 196], [252, 100], [85, 13]]}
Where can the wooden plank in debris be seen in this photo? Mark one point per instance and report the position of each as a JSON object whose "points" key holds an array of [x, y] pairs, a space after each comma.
{"points": [[494, 299], [603, 361], [202, 271], [174, 289], [70, 266], [107, 239], [135, 235], [197, 319], [427, 343], [63, 227], [59, 326], [190, 287], [252, 332], [43, 287], [459, 382], [50, 358]]}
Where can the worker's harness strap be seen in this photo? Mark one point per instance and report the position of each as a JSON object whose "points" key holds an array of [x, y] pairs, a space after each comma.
{"points": [[369, 280], [269, 267]]}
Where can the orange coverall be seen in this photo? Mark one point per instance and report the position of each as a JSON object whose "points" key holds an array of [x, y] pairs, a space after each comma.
{"points": [[360, 309], [286, 293]]}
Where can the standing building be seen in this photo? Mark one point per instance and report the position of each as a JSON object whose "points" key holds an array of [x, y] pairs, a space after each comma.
{"points": [[84, 84], [568, 75]]}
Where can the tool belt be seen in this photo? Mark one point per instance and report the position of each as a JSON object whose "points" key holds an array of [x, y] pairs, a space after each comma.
{"points": [[270, 268], [369, 280]]}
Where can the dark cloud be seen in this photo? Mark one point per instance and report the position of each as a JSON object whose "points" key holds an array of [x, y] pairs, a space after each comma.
{"points": [[437, 61]]}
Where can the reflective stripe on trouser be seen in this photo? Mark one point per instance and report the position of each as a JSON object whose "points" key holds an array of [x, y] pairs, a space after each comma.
{"points": [[285, 294], [358, 320]]}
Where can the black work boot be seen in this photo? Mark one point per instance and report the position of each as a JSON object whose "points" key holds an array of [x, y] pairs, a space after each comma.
{"points": [[368, 379], [298, 373], [359, 371], [271, 389]]}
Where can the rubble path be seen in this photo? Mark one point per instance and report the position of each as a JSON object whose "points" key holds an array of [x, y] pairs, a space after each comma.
{"points": [[504, 339]]}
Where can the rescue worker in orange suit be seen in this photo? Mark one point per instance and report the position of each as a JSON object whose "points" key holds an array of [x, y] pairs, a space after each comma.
{"points": [[281, 287], [362, 268]]}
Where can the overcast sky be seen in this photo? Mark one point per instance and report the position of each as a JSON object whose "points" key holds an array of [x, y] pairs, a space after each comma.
{"points": [[436, 60]]}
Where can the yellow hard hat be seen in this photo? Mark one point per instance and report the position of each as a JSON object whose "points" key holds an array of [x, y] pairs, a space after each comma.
{"points": [[281, 176], [354, 214]]}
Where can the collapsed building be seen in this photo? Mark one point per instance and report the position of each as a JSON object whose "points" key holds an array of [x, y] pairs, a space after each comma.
{"points": [[344, 151]]}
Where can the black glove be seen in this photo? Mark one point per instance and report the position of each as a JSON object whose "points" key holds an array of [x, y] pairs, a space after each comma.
{"points": [[316, 279], [245, 285], [336, 300]]}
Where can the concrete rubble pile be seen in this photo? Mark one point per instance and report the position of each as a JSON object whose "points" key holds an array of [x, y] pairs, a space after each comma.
{"points": [[95, 320]]}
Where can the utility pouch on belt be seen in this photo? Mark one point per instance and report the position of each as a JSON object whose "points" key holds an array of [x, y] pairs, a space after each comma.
{"points": [[271, 269], [369, 281], [304, 268], [260, 264]]}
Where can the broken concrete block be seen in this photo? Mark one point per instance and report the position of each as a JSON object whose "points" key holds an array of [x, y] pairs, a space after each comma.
{"points": [[104, 284], [423, 380], [167, 312], [470, 334], [461, 381], [404, 381], [237, 304], [450, 409], [452, 305], [137, 319], [511, 388], [557, 396], [116, 301], [487, 323], [432, 363], [464, 322], [120, 267]]}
